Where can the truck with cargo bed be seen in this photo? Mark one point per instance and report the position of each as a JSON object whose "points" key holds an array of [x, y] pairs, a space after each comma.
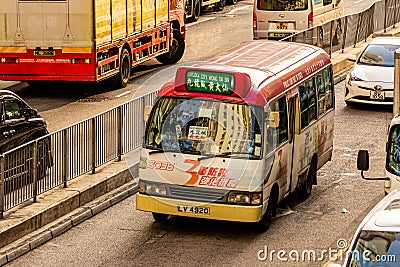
{"points": [[87, 40]]}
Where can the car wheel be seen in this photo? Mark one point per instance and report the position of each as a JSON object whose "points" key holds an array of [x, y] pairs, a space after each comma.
{"points": [[125, 66], [196, 12], [233, 2], [160, 217], [176, 49], [350, 104], [220, 5]]}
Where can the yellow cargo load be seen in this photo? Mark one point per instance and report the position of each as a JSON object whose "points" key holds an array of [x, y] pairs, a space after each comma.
{"points": [[162, 11], [118, 18], [134, 16], [126, 17]]}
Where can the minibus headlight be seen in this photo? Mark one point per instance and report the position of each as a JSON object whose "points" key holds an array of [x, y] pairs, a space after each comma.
{"points": [[245, 198], [141, 186], [156, 189]]}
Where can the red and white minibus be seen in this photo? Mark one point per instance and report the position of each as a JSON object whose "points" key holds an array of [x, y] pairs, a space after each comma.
{"points": [[230, 138]]}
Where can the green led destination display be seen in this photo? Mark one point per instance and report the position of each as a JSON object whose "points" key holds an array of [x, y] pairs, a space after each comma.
{"points": [[210, 82]]}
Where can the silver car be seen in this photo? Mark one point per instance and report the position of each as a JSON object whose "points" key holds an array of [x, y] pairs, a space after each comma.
{"points": [[372, 78]]}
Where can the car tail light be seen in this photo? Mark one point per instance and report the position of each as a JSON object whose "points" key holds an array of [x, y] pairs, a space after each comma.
{"points": [[310, 20], [254, 21]]}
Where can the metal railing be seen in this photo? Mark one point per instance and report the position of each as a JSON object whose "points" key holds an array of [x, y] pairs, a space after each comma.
{"points": [[349, 30], [55, 159]]}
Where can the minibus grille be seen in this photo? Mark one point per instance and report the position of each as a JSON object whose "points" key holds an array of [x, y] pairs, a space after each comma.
{"points": [[197, 193]]}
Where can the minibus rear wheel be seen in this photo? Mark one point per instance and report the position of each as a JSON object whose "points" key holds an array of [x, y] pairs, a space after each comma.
{"points": [[160, 217]]}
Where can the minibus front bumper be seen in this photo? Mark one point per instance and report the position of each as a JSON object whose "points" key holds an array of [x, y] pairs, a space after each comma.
{"points": [[226, 212]]}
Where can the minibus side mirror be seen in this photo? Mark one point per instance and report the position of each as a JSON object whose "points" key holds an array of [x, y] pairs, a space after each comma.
{"points": [[273, 119], [147, 110], [363, 160], [363, 165], [352, 58]]}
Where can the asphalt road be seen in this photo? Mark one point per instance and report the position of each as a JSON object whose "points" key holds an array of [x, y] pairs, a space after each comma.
{"points": [[123, 236]]}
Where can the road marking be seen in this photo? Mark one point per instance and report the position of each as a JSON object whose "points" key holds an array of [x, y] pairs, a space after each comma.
{"points": [[233, 11], [359, 1], [201, 20], [124, 93]]}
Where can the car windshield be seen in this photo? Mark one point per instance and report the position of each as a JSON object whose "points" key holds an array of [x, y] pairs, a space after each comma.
{"points": [[379, 55], [282, 5], [393, 151], [376, 248], [204, 127]]}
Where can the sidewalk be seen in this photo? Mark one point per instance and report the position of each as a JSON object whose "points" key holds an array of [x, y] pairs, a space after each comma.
{"points": [[29, 225]]}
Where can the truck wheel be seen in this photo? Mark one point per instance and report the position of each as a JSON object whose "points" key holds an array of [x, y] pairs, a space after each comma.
{"points": [[220, 5], [159, 217], [125, 66], [175, 51]]}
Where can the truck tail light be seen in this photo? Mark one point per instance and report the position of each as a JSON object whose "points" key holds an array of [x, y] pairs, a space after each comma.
{"points": [[12, 60], [80, 61]]}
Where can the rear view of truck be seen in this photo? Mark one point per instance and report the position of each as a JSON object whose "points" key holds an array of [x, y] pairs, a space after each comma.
{"points": [[87, 40]]}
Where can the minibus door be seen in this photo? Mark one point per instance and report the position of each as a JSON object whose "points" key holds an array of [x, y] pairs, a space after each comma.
{"points": [[293, 114]]}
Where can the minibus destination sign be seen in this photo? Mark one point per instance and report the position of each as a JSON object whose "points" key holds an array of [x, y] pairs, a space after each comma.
{"points": [[210, 82]]}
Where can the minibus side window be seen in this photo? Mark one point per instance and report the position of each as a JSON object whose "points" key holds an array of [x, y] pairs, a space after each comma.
{"points": [[308, 110], [281, 131]]}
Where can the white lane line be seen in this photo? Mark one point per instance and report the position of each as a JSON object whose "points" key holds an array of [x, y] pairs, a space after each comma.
{"points": [[201, 20], [359, 1], [233, 11], [124, 93]]}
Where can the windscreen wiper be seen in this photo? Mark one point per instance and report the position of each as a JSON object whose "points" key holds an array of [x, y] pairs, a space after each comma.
{"points": [[225, 154]]}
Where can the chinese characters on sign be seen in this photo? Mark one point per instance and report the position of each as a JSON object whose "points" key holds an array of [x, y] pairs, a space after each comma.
{"points": [[197, 133], [214, 176], [211, 82]]}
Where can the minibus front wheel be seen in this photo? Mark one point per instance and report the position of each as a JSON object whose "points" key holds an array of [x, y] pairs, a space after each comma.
{"points": [[266, 220], [160, 217]]}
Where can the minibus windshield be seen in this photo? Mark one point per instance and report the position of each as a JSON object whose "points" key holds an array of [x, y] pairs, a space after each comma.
{"points": [[204, 127], [282, 5]]}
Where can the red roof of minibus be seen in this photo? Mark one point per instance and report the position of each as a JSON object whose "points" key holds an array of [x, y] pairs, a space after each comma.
{"points": [[273, 67]]}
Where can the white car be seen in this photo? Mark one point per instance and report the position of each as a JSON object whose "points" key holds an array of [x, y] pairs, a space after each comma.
{"points": [[372, 77], [376, 243]]}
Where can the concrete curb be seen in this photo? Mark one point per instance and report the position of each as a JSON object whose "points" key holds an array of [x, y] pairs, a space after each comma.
{"points": [[86, 212], [81, 191]]}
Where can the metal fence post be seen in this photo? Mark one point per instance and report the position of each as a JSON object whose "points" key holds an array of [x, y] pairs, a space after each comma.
{"points": [[119, 141], [395, 13], [1, 186], [385, 17], [358, 28], [344, 33], [65, 157], [93, 145], [34, 171], [330, 40]]}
